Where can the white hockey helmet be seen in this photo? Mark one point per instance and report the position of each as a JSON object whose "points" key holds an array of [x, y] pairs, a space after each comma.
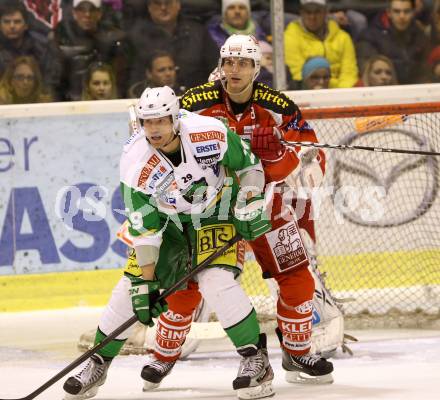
{"points": [[245, 46], [158, 102]]}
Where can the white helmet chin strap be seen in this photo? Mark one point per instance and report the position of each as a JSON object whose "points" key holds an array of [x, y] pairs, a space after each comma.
{"points": [[175, 135]]}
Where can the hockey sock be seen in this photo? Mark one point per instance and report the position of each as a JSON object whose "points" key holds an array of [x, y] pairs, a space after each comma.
{"points": [[170, 335], [247, 331], [296, 330], [110, 350], [294, 310], [173, 325]]}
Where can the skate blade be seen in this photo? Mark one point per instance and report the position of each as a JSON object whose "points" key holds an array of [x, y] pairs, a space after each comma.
{"points": [[304, 379], [86, 395], [150, 386], [256, 392]]}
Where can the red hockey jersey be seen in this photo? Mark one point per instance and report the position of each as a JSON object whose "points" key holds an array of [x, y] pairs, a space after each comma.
{"points": [[268, 108]]}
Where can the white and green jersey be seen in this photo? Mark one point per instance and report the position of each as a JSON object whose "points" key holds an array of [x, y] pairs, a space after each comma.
{"points": [[153, 186]]}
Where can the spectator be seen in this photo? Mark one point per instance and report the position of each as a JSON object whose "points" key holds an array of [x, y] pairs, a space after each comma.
{"points": [[263, 17], [266, 70], [394, 33], [132, 10], [316, 74], [22, 83], [315, 35], [236, 18], [116, 5], [378, 71], [351, 21], [422, 14], [194, 52], [435, 24], [99, 83], [202, 9], [160, 71], [16, 40], [44, 15], [434, 63], [84, 39]]}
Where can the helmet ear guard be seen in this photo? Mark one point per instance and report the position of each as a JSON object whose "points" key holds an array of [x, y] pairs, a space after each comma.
{"points": [[157, 103]]}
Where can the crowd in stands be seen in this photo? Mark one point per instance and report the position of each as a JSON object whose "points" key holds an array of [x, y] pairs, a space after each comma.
{"points": [[64, 50]]}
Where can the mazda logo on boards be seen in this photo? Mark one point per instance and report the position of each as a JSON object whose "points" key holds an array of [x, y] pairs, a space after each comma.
{"points": [[409, 182]]}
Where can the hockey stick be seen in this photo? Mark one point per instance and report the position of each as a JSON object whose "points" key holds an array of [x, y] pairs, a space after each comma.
{"points": [[348, 147], [133, 120], [129, 322]]}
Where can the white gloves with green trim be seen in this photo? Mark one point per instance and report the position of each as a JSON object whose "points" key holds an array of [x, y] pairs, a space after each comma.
{"points": [[251, 220], [144, 296]]}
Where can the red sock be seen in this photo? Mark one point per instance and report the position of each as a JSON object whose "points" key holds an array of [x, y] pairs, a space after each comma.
{"points": [[294, 310], [174, 325]]}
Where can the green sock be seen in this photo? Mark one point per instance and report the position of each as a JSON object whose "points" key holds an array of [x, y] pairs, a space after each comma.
{"points": [[111, 349], [247, 331]]}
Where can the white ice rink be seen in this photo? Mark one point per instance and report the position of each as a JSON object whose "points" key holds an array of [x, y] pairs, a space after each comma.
{"points": [[398, 365]]}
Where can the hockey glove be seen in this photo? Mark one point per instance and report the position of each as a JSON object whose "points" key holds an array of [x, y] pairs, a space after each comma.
{"points": [[251, 221], [143, 298], [265, 143]]}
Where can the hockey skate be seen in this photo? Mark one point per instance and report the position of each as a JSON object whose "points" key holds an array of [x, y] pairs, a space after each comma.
{"points": [[254, 379], [154, 371], [309, 369], [85, 384]]}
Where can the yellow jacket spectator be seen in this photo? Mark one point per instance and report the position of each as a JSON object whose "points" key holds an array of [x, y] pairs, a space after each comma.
{"points": [[314, 35]]}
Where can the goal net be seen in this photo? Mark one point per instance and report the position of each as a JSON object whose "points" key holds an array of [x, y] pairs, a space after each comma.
{"points": [[377, 214]]}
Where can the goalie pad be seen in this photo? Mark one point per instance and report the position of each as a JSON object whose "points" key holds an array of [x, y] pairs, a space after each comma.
{"points": [[327, 320]]}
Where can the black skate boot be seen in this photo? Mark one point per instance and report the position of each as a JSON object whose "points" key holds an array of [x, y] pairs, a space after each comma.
{"points": [[308, 368], [85, 384], [254, 378], [154, 371]]}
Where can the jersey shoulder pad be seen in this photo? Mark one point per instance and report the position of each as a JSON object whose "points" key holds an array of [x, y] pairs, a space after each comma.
{"points": [[192, 123], [206, 136], [135, 137], [136, 163], [273, 100], [184, 114], [202, 96]]}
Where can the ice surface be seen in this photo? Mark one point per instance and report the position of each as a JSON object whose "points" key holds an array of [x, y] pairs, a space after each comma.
{"points": [[398, 364]]}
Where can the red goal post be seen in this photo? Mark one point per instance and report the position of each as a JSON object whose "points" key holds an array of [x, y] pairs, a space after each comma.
{"points": [[370, 110]]}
